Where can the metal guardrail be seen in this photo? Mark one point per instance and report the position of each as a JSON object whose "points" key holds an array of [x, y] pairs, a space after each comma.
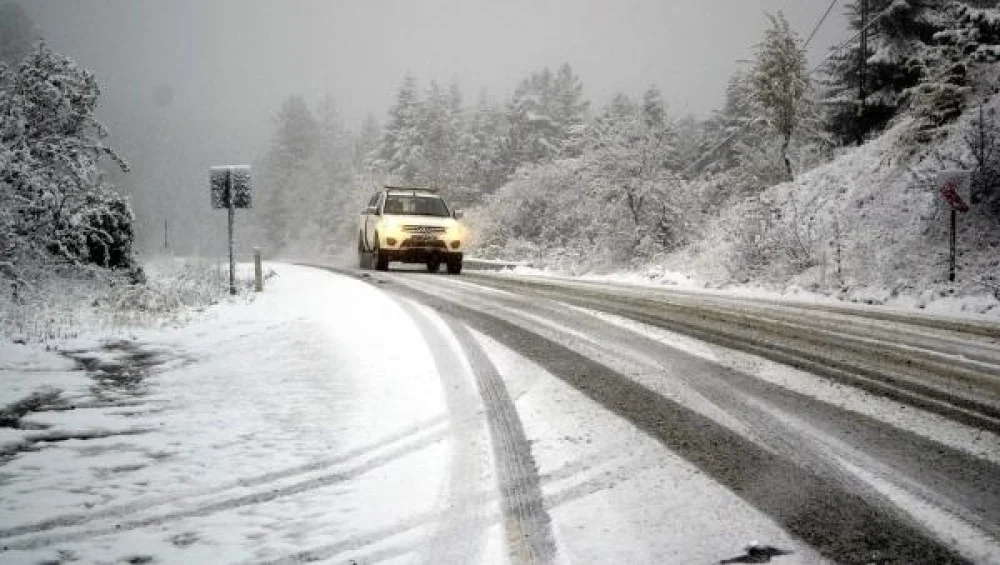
{"points": [[475, 264]]}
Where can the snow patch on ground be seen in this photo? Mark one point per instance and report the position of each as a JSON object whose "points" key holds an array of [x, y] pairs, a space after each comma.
{"points": [[272, 429]]}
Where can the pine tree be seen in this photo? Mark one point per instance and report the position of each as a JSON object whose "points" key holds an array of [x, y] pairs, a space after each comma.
{"points": [[295, 144], [367, 141], [297, 132], [487, 164], [335, 142], [897, 32], [439, 135], [653, 108], [401, 149], [569, 108], [532, 126], [545, 112], [778, 82]]}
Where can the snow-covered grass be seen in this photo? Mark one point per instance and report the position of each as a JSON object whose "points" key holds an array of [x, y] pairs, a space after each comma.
{"points": [[65, 302]]}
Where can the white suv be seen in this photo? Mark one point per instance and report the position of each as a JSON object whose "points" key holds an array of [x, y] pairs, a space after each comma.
{"points": [[410, 225]]}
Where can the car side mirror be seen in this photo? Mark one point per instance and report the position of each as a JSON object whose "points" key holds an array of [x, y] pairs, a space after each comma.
{"points": [[371, 211], [458, 214]]}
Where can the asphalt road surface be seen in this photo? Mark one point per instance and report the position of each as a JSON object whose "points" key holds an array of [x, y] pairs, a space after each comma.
{"points": [[868, 435]]}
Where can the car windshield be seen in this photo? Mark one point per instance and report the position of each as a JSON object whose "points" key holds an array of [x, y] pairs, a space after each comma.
{"points": [[415, 205]]}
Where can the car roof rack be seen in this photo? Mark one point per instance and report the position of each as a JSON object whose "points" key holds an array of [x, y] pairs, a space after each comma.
{"points": [[411, 188]]}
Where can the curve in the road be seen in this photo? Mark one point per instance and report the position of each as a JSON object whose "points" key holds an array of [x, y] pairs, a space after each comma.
{"points": [[774, 341], [820, 509]]}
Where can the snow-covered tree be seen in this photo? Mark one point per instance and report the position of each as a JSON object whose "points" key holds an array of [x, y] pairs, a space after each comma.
{"points": [[778, 83], [960, 61], [897, 31], [569, 108], [285, 194], [55, 200], [439, 126], [367, 142], [297, 131], [401, 148], [488, 163], [544, 115], [982, 138], [653, 109]]}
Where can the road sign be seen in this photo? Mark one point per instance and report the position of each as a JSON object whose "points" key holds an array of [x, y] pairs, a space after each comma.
{"points": [[234, 179], [955, 189], [230, 189]]}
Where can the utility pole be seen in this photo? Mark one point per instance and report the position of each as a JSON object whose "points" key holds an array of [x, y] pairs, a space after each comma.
{"points": [[862, 70]]}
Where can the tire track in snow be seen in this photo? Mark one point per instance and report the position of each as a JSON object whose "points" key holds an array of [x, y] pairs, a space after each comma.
{"points": [[527, 523], [376, 545], [453, 541], [819, 509], [112, 524]]}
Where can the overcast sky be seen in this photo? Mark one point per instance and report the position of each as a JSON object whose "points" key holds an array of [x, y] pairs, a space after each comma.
{"points": [[192, 82]]}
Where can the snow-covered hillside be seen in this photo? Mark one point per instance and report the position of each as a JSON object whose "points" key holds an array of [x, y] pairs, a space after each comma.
{"points": [[868, 226]]}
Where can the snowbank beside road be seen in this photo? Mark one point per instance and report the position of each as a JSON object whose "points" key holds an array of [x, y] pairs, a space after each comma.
{"points": [[256, 431]]}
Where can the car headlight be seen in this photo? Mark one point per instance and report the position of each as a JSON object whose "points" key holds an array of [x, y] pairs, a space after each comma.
{"points": [[392, 229]]}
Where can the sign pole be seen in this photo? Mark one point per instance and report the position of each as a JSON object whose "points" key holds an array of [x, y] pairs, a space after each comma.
{"points": [[230, 188], [954, 250], [232, 214], [955, 189]]}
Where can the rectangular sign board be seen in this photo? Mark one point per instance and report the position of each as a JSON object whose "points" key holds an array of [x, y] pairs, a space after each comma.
{"points": [[238, 177], [955, 188]]}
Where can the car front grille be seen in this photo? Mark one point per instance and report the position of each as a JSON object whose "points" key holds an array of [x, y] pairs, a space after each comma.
{"points": [[424, 229], [435, 244]]}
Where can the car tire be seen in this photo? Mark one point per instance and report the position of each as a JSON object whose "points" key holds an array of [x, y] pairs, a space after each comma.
{"points": [[363, 257], [433, 266], [455, 267], [381, 259]]}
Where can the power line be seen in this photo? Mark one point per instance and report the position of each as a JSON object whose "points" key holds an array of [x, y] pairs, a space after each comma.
{"points": [[820, 23], [815, 68], [853, 38]]}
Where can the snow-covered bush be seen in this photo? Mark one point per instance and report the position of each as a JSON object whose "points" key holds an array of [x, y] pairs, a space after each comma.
{"points": [[769, 241], [56, 204]]}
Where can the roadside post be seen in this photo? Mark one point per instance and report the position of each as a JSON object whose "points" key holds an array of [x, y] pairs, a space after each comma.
{"points": [[954, 188], [231, 189], [258, 272]]}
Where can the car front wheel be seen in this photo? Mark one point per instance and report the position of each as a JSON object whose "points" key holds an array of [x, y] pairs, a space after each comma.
{"points": [[381, 259], [455, 267], [363, 257]]}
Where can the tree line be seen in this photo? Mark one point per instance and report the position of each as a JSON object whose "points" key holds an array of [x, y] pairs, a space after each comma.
{"points": [[544, 168]]}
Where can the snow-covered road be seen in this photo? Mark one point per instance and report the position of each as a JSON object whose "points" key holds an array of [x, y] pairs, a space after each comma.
{"points": [[361, 417]]}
